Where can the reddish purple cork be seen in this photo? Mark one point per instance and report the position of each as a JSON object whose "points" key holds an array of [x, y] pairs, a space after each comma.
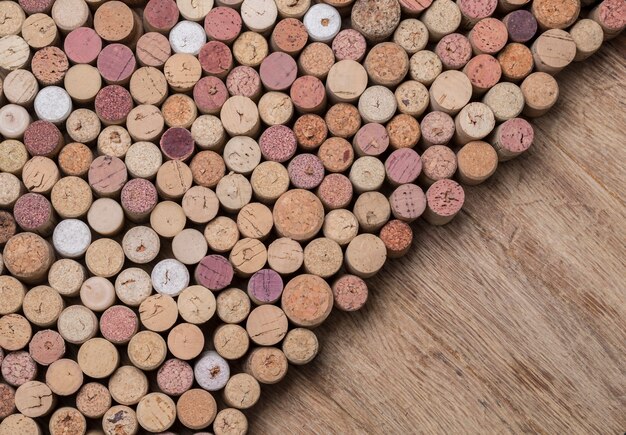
{"points": [[521, 25], [372, 139], [445, 197], [265, 286], [7, 401], [223, 24], [43, 138], [46, 347], [116, 63], [36, 6], [214, 272], [175, 377], [107, 175], [454, 50], [335, 191], [477, 9], [82, 45], [118, 324], [18, 368], [437, 128], [349, 44], [33, 212], [407, 202], [350, 293], [403, 166], [244, 81], [278, 71], [161, 15], [278, 143], [7, 229], [113, 104], [306, 171], [216, 58], [139, 197], [515, 135], [177, 143], [210, 94]]}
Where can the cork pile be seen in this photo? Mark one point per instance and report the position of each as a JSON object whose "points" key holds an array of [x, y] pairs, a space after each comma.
{"points": [[187, 189]]}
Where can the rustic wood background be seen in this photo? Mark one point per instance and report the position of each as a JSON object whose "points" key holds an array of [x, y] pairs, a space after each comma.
{"points": [[512, 319]]}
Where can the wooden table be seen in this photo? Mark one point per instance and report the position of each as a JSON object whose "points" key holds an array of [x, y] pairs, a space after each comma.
{"points": [[510, 320]]}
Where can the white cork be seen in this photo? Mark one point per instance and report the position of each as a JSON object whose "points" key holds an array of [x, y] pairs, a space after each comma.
{"points": [[259, 15], [377, 104], [322, 22], [14, 120], [211, 371], [141, 244], [71, 238], [187, 37], [170, 277], [133, 286], [53, 104], [143, 160]]}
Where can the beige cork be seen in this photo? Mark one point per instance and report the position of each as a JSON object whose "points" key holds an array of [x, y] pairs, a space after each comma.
{"points": [[307, 300], [231, 341], [148, 85], [377, 104], [506, 101], [241, 155], [474, 122], [98, 358], [40, 174], [412, 98], [189, 246], [269, 181], [141, 244], [42, 306], [208, 132], [185, 341], [412, 35], [196, 304], [196, 409], [233, 305], [234, 192], [13, 156], [555, 14], [67, 420], [147, 350], [93, 400], [64, 377], [145, 124], [292, 8], [372, 210], [120, 419], [72, 14], [317, 60], [367, 174], [240, 116], [66, 276], [242, 391], [366, 255], [340, 226], [230, 421], [511, 5], [541, 92], [13, 18], [248, 256], [19, 423], [11, 295], [34, 399], [15, 332], [114, 141], [173, 179], [250, 49], [285, 255], [300, 346], [477, 161], [133, 286], [221, 234], [404, 131], [20, 87], [179, 110], [14, 53], [156, 412], [298, 214], [553, 50], [83, 125], [387, 64], [105, 258], [255, 221], [11, 188], [75, 159], [143, 160], [182, 72], [343, 120], [207, 168], [323, 257], [375, 19], [82, 83], [194, 10], [450, 92], [267, 325], [97, 293], [128, 385], [14, 120], [588, 37], [346, 81], [275, 108], [71, 197], [441, 18], [268, 365], [200, 204], [77, 324], [114, 22], [28, 257], [158, 312]]}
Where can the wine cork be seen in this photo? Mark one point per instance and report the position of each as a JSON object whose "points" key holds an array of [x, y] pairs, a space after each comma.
{"points": [[194, 10], [39, 30], [268, 365], [144, 123], [187, 37], [221, 234], [83, 126], [240, 116], [214, 272], [266, 325], [196, 409], [341, 226], [477, 161], [14, 121], [208, 132], [10, 189], [242, 391], [412, 98], [350, 294], [510, 5], [441, 18], [42, 306], [7, 404], [248, 256], [437, 129], [316, 60], [335, 191], [347, 80], [265, 286], [551, 14], [133, 286], [138, 199], [143, 160], [322, 22], [33, 212], [170, 277], [521, 25], [278, 143], [403, 166], [210, 94], [233, 305], [114, 22], [411, 35], [438, 163], [13, 157], [371, 140], [189, 246], [306, 171], [397, 237], [71, 198], [64, 377], [310, 131], [118, 324], [291, 9], [200, 204], [372, 210], [160, 15], [93, 400], [553, 50], [185, 341], [7, 227], [242, 154], [404, 131], [141, 244], [230, 422], [147, 349], [289, 36], [506, 100], [41, 174], [98, 358], [587, 35], [46, 347], [445, 199], [34, 399], [216, 59], [307, 301], [207, 168], [179, 110], [71, 14], [387, 64], [105, 258], [407, 202], [255, 221], [308, 94], [259, 15], [285, 256], [106, 217], [425, 66], [223, 24], [512, 138], [450, 92], [18, 423], [377, 104], [211, 371], [173, 179], [97, 293], [120, 419], [28, 257], [269, 181], [231, 341], [156, 412], [75, 158], [300, 346], [18, 368], [488, 36], [196, 304], [611, 15], [148, 85], [116, 63], [177, 144], [250, 48], [365, 256], [367, 174], [234, 192], [376, 20], [484, 71], [66, 276], [323, 257], [298, 214], [153, 50], [43, 138], [474, 122], [113, 104], [36, 6], [82, 45], [454, 50], [12, 292], [472, 12], [278, 71], [14, 18], [20, 87], [15, 53], [343, 120], [67, 420], [77, 324], [175, 377], [350, 44], [541, 92], [244, 81]]}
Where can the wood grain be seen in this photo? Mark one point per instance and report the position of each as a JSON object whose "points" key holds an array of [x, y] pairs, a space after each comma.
{"points": [[509, 320]]}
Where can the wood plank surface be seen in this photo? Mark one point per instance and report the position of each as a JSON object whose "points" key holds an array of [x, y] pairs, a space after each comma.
{"points": [[512, 319]]}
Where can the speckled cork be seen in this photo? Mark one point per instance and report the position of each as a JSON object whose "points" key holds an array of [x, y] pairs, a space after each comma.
{"points": [[196, 409], [175, 377]]}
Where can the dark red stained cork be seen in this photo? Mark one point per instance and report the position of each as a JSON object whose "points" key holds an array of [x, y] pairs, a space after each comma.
{"points": [[403, 166], [43, 138], [82, 45], [107, 175], [335, 191], [223, 24], [278, 143], [175, 377], [49, 65], [36, 6], [306, 171], [245, 81], [116, 63], [177, 143], [139, 196], [372, 139], [113, 104], [161, 15], [216, 58], [349, 44], [32, 211], [210, 94], [46, 347], [214, 272], [7, 226], [278, 71], [118, 324], [265, 286], [521, 25]]}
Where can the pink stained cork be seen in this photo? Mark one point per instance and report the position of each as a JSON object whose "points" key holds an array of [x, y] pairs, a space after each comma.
{"points": [[414, 7], [349, 44], [484, 72], [512, 138], [33, 212], [107, 175], [278, 143], [454, 50], [223, 24], [46, 347], [214, 272], [113, 104], [43, 138], [445, 199], [403, 166], [521, 25], [175, 377], [611, 15], [18, 368], [265, 286], [216, 59], [160, 15], [306, 171], [488, 36], [371, 140], [82, 45], [244, 81], [475, 10], [138, 198], [210, 94], [116, 63], [177, 144], [350, 293], [8, 229], [437, 128], [407, 202], [308, 94], [36, 6], [7, 401], [438, 162], [153, 49], [335, 191], [278, 71], [118, 324]]}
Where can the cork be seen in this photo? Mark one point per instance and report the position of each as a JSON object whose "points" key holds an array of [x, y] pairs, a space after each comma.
{"points": [[266, 325], [138, 199], [387, 64], [214, 272], [211, 371], [223, 24], [477, 161], [472, 12], [113, 103], [97, 293], [46, 347], [118, 324], [289, 36], [365, 256], [153, 49], [14, 121], [506, 100], [230, 421], [33, 212], [141, 244], [250, 48], [376, 20], [148, 85], [372, 211], [14, 53], [454, 50], [147, 349], [242, 154], [105, 258], [341, 226], [255, 221], [445, 199], [412, 98], [309, 211], [200, 205], [450, 92], [196, 304], [403, 131], [234, 192], [143, 160], [221, 234], [173, 179], [13, 157], [232, 342], [516, 61], [438, 162], [488, 36], [307, 301], [275, 108], [83, 126], [18, 368], [64, 377], [71, 14], [512, 138], [269, 181], [291, 9], [310, 131], [407, 202], [397, 237], [317, 60], [424, 67], [160, 16], [551, 14], [240, 116], [510, 5], [268, 365], [259, 15], [484, 71], [208, 132], [18, 423], [194, 10], [20, 87], [175, 377], [306, 171], [116, 63], [82, 45], [371, 139], [120, 419], [285, 255], [335, 191], [7, 404], [7, 227], [437, 129], [189, 246], [77, 324], [521, 25], [156, 412], [611, 15], [346, 82], [196, 409], [277, 144], [308, 94], [474, 122], [441, 18], [145, 123], [179, 110], [553, 50], [170, 277], [14, 18], [412, 35], [43, 138], [278, 71], [367, 174], [242, 391], [185, 341], [233, 305], [349, 44], [244, 81], [133, 286], [587, 35], [93, 400], [210, 94], [114, 22], [67, 420], [216, 59], [248, 256], [300, 346], [322, 23], [323, 257], [98, 358], [10, 189], [36, 6], [541, 92], [75, 159], [66, 276], [28, 257], [106, 217], [34, 399], [42, 306], [350, 294], [377, 104], [403, 166]]}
